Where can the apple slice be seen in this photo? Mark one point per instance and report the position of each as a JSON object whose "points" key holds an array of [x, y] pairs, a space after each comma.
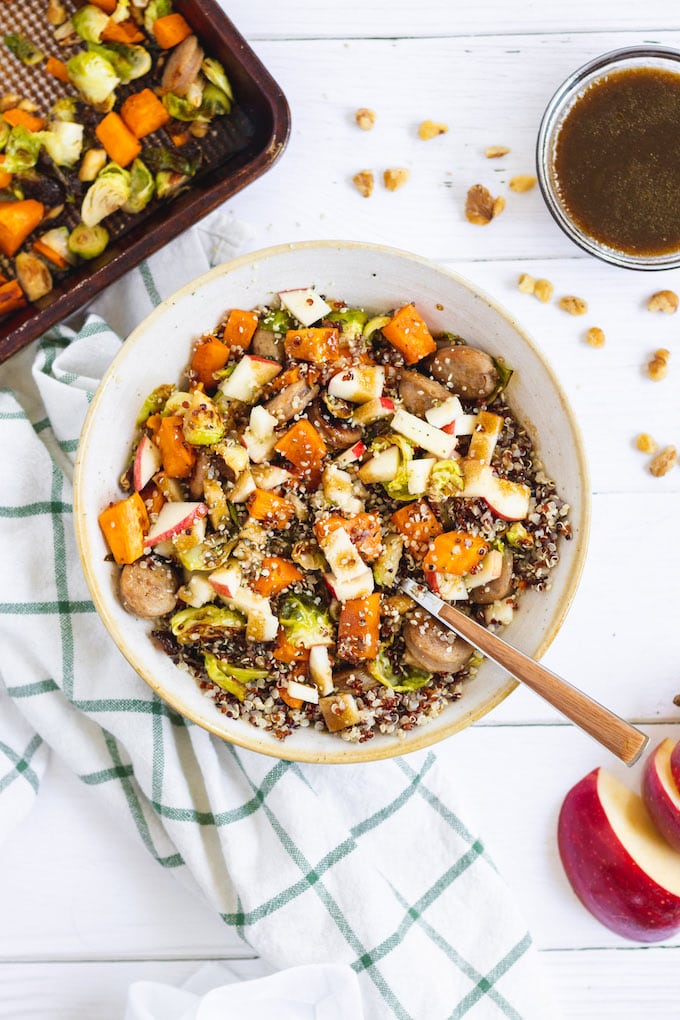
{"points": [[243, 488], [443, 415], [343, 558], [338, 488], [488, 428], [464, 425], [249, 378], [619, 866], [358, 385], [354, 589], [146, 463], [490, 569], [173, 519], [507, 500], [321, 668], [305, 304], [451, 587], [417, 474], [226, 580], [675, 764], [351, 455], [424, 435], [383, 467], [269, 476], [304, 692], [373, 410], [661, 794]]}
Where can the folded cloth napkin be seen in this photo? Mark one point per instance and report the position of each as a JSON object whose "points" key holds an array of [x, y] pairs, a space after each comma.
{"points": [[315, 992], [369, 866]]}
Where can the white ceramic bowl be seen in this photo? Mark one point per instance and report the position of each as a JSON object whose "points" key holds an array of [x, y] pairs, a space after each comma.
{"points": [[376, 278]]}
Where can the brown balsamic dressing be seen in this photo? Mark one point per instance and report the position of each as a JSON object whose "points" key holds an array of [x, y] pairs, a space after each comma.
{"points": [[617, 161]]}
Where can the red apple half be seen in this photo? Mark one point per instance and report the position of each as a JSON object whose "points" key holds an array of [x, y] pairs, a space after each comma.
{"points": [[146, 463], [661, 794], [621, 869]]}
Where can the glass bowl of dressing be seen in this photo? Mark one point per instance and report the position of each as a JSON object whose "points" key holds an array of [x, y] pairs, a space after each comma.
{"points": [[608, 157]]}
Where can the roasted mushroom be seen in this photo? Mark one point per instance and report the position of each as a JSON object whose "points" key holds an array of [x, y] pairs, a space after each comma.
{"points": [[431, 646], [467, 371], [485, 594], [419, 393], [183, 66]]}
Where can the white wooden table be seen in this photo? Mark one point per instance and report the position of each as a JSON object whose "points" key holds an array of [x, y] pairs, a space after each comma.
{"points": [[84, 910]]}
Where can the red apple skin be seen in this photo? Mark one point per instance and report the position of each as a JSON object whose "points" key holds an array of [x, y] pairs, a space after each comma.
{"points": [[663, 811], [604, 876], [675, 764]]}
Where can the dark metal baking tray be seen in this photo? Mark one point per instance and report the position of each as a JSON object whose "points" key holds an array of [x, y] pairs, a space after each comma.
{"points": [[243, 146]]}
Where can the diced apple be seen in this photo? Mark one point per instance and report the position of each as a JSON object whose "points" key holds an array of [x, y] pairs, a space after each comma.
{"points": [[197, 592], [489, 569], [249, 378], [487, 429], [358, 385], [350, 456], [383, 467], [304, 692], [423, 434], [226, 580], [338, 488], [342, 555], [146, 463], [235, 457], [620, 867], [508, 500], [354, 589], [450, 587], [261, 423], [417, 474], [464, 425], [321, 668], [305, 304], [244, 486], [173, 519], [373, 410], [500, 612], [261, 624], [339, 711], [444, 414], [269, 476], [661, 794]]}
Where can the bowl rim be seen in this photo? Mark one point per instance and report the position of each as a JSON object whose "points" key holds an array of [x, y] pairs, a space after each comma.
{"points": [[346, 753], [567, 91]]}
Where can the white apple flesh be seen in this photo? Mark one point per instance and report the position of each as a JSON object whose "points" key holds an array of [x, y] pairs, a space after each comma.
{"points": [[444, 414], [226, 580], [661, 794], [146, 463], [373, 410], [382, 467], [507, 500], [619, 866], [305, 304], [418, 473], [350, 456], [354, 589], [172, 520], [487, 429], [358, 385], [424, 435], [343, 557], [304, 692], [321, 668], [249, 378]]}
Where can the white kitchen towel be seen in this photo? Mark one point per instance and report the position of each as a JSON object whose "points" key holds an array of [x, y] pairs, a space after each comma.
{"points": [[370, 866]]}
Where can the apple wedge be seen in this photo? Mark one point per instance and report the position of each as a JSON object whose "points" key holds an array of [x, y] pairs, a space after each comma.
{"points": [[373, 410], [305, 304], [619, 866], [507, 500], [146, 463], [350, 456], [382, 467], [249, 378], [173, 519], [661, 794], [358, 385], [488, 428]]}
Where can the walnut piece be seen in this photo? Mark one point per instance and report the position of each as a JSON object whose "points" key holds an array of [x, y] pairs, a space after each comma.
{"points": [[646, 443], [522, 183], [595, 337], [663, 301], [573, 305], [526, 283], [481, 207], [430, 129], [363, 182], [496, 151], [395, 177], [664, 461], [543, 290], [56, 12], [658, 366], [365, 118]]}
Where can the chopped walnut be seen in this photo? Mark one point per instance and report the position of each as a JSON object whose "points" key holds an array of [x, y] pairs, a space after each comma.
{"points": [[395, 177], [663, 301], [646, 443], [496, 151], [9, 101], [363, 182], [595, 337], [365, 118], [430, 129], [664, 461], [658, 366], [573, 305], [480, 207], [526, 283], [522, 182], [56, 12], [498, 206], [28, 105], [543, 290]]}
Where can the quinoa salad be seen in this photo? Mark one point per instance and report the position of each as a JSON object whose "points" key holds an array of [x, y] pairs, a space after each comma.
{"points": [[312, 457]]}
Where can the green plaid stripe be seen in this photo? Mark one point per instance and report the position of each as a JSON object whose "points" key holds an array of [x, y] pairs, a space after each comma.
{"points": [[21, 764]]}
